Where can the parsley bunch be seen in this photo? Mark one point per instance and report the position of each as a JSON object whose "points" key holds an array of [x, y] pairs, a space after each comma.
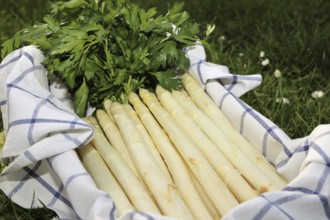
{"points": [[109, 48]]}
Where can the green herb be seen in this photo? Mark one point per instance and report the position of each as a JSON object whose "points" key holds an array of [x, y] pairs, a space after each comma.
{"points": [[107, 49]]}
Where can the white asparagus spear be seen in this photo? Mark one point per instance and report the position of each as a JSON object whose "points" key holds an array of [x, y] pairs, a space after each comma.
{"points": [[176, 166], [163, 190], [245, 166], [106, 106], [148, 140], [206, 104], [135, 190], [112, 132], [103, 178], [233, 180], [209, 180], [208, 203]]}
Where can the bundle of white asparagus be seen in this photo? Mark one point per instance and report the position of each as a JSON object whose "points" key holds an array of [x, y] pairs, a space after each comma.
{"points": [[175, 154]]}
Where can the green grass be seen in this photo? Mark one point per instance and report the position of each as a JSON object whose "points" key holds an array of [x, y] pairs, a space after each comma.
{"points": [[294, 34], [16, 15], [11, 211]]}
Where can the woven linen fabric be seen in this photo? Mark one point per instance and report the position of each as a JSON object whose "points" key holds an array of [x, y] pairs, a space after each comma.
{"points": [[304, 162], [42, 132]]}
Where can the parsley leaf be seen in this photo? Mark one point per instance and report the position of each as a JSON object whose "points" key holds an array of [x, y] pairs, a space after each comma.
{"points": [[109, 48]]}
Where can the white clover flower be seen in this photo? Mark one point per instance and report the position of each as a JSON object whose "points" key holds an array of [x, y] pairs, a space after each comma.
{"points": [[265, 62], [222, 38], [283, 100], [317, 94], [209, 29], [241, 54], [277, 73], [262, 54]]}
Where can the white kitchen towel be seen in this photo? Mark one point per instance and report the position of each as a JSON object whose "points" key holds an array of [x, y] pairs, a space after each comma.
{"points": [[42, 131], [304, 162]]}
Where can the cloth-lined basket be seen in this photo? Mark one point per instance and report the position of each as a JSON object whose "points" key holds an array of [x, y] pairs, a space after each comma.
{"points": [[42, 132]]}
